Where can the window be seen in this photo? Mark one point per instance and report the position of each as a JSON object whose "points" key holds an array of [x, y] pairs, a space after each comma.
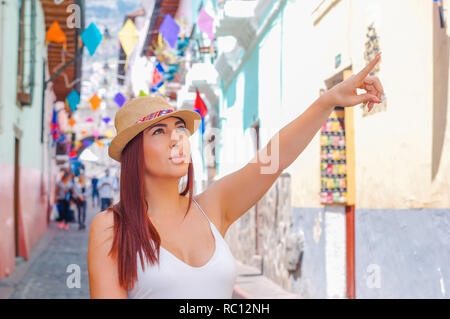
{"points": [[27, 48]]}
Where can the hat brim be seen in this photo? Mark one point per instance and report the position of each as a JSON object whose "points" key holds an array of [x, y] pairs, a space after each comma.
{"points": [[191, 118]]}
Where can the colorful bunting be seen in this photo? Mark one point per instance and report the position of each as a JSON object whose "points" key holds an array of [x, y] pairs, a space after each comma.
{"points": [[128, 37], [95, 101], [169, 29], [200, 105], [157, 77], [54, 126], [120, 99], [73, 154], [87, 143], [71, 122], [91, 37], [142, 93], [106, 119], [96, 133], [83, 132], [89, 119], [203, 122], [205, 23], [109, 133], [55, 34], [73, 99]]}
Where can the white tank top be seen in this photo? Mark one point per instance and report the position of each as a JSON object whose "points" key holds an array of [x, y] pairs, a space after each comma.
{"points": [[174, 279]]}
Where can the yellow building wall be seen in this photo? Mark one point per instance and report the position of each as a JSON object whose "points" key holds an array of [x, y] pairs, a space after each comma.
{"points": [[401, 153]]}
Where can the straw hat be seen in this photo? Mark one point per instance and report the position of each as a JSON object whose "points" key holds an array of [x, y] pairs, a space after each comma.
{"points": [[141, 112]]}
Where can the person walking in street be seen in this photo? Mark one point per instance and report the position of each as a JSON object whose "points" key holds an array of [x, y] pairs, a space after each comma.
{"points": [[152, 243], [81, 195], [107, 186], [95, 194], [64, 189]]}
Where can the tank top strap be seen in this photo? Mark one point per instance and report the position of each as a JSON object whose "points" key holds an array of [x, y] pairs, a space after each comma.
{"points": [[201, 209]]}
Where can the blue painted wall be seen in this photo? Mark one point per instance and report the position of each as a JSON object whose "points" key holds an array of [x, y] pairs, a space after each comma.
{"points": [[398, 254]]}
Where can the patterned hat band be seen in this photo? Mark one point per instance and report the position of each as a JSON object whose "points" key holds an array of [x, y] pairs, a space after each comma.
{"points": [[155, 115]]}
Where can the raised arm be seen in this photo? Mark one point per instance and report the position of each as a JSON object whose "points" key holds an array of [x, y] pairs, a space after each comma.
{"points": [[240, 190]]}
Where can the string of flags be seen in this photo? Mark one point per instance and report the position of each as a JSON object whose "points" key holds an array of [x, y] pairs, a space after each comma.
{"points": [[169, 48]]}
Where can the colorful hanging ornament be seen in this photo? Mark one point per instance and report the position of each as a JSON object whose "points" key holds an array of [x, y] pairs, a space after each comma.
{"points": [[128, 37], [89, 119], [95, 101], [205, 23], [200, 105], [169, 30], [106, 119], [73, 154], [71, 122], [109, 133], [73, 99], [55, 34], [91, 37], [120, 99]]}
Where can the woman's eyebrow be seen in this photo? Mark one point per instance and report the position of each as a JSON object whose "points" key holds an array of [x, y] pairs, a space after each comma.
{"points": [[165, 125]]}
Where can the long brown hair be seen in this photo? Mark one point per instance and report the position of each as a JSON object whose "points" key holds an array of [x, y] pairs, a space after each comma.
{"points": [[134, 232]]}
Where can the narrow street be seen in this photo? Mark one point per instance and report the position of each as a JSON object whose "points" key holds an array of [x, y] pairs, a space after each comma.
{"points": [[45, 275]]}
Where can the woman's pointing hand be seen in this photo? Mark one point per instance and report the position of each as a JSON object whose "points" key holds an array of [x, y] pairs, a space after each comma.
{"points": [[344, 93]]}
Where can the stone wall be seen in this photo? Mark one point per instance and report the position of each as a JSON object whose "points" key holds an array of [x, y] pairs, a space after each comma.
{"points": [[280, 250]]}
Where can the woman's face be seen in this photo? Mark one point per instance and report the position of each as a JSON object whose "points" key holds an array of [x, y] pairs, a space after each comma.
{"points": [[164, 141]]}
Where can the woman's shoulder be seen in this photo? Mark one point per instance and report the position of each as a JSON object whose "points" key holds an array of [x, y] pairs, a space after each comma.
{"points": [[102, 227], [103, 219]]}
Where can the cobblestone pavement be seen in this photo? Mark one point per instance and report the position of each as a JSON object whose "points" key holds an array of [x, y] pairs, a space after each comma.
{"points": [[47, 271]]}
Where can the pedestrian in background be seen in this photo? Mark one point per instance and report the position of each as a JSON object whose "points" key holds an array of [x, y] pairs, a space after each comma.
{"points": [[81, 195], [95, 194], [64, 188], [107, 185]]}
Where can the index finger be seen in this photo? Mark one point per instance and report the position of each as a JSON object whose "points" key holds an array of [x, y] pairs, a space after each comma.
{"points": [[369, 67]]}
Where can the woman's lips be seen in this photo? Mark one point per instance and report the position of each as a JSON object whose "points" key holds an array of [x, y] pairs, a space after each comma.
{"points": [[177, 159]]}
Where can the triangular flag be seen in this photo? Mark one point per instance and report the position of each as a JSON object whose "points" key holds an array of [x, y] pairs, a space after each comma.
{"points": [[200, 105], [73, 154], [202, 126], [157, 77], [142, 93], [55, 34]]}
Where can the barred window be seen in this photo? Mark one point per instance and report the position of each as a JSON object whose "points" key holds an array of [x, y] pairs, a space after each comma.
{"points": [[27, 48]]}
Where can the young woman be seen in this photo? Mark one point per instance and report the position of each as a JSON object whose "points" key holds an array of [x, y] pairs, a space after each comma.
{"points": [[81, 197], [154, 243], [64, 187]]}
